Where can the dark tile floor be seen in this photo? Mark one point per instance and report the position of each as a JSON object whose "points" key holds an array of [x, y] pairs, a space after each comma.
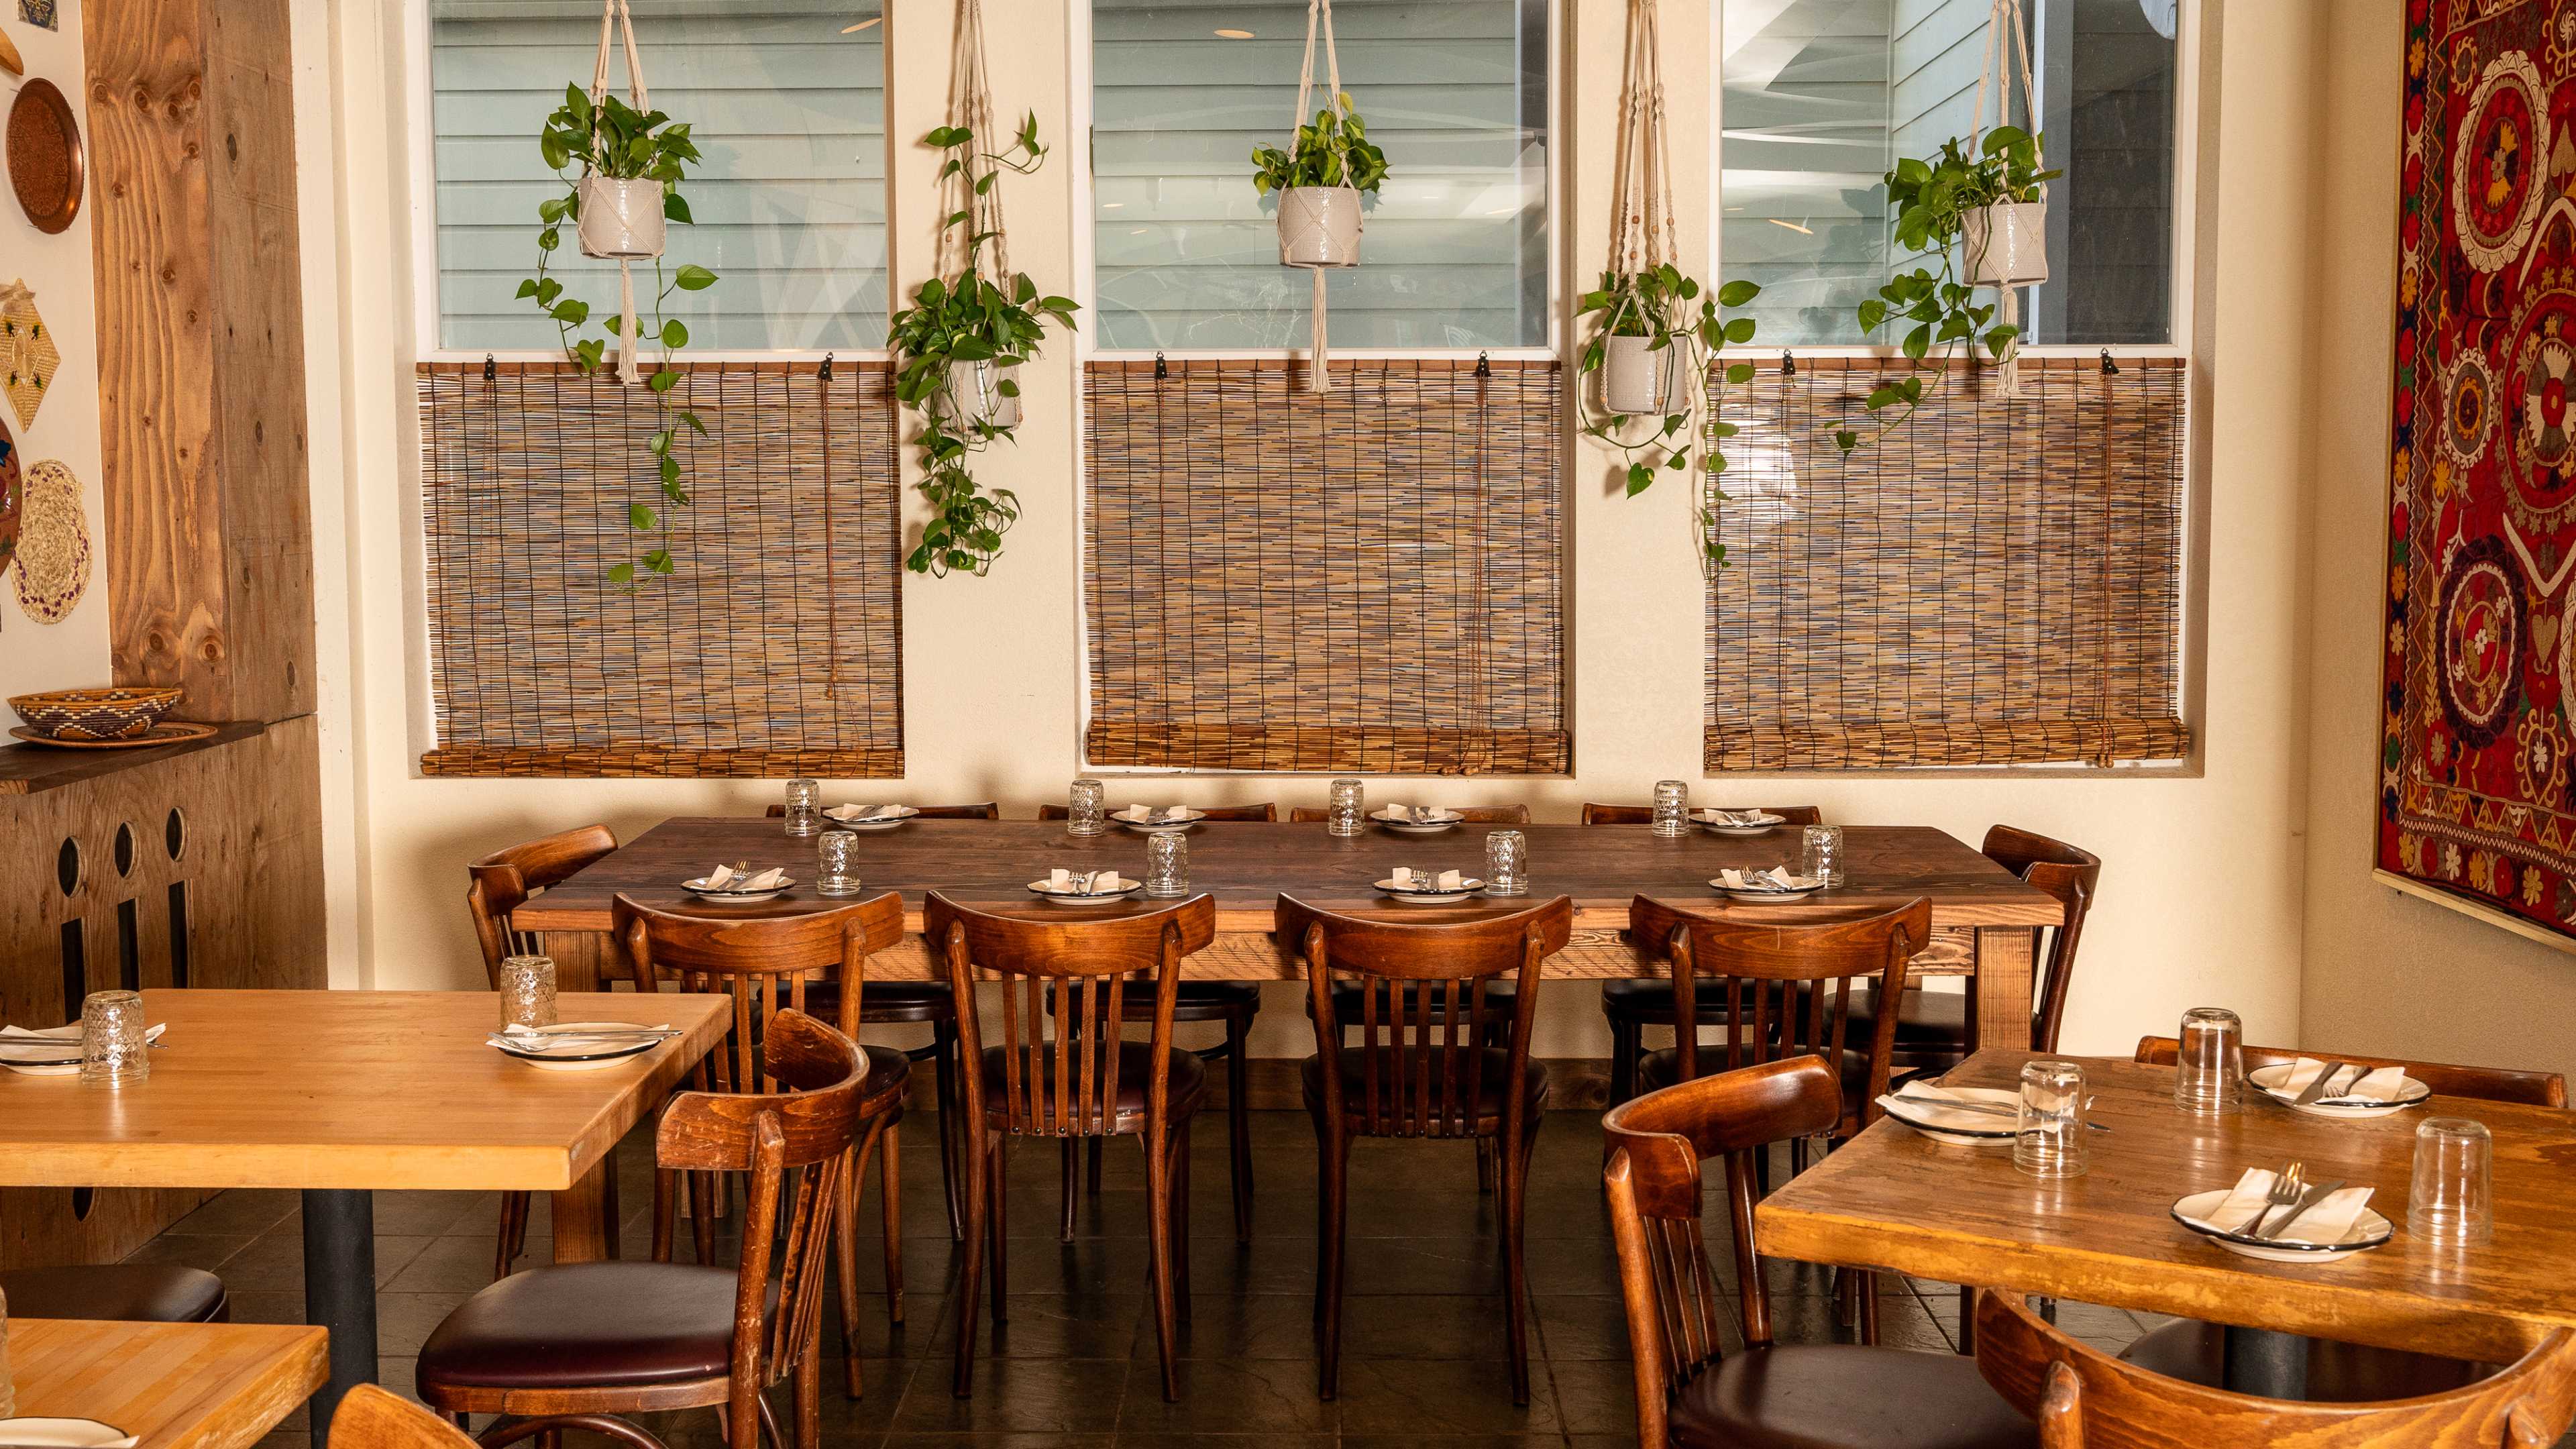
{"points": [[1423, 1361]]}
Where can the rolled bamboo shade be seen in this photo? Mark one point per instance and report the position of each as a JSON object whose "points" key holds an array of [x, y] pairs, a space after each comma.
{"points": [[1996, 582], [1365, 580], [773, 649]]}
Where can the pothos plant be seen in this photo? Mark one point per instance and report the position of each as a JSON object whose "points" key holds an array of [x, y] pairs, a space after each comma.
{"points": [[1334, 151], [1672, 308], [615, 140], [1932, 199]]}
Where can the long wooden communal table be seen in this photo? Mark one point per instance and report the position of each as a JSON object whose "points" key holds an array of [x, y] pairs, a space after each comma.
{"points": [[1985, 921], [170, 1385], [340, 1093]]}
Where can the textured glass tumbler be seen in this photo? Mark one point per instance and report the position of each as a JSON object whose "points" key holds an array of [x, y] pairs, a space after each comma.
{"points": [[1347, 813], [1506, 864], [1672, 807], [1167, 864], [804, 807], [2209, 1062], [2451, 1198], [112, 1046], [1083, 812], [835, 874], [2050, 1141], [527, 991], [1824, 854]]}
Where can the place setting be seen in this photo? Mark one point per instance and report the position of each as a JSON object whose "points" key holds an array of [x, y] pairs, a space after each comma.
{"points": [[1085, 887], [868, 817], [2283, 1217], [530, 1033], [1739, 824], [1415, 819], [2331, 1089], [739, 884], [1152, 820], [50, 1433], [109, 1044]]}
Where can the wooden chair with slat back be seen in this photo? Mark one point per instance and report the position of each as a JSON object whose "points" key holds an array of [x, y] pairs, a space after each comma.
{"points": [[580, 1345], [1088, 1081], [1688, 1392], [2083, 1398], [1640, 1002], [2343, 1372], [1467, 815], [497, 885], [768, 964], [1418, 1073], [373, 1418]]}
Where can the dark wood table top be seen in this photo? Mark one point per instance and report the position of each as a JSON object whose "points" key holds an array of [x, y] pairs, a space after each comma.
{"points": [[1895, 1199], [1247, 864]]}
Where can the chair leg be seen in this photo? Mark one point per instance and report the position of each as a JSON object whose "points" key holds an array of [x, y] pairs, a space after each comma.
{"points": [[513, 1206], [1159, 1191], [1866, 1285], [702, 1215], [1093, 1167], [1070, 1150], [845, 1250], [1967, 1320], [1626, 1045], [1238, 1119], [891, 1189], [1181, 1218], [1515, 1197], [809, 1397], [1333, 1219], [970, 1273], [614, 1221], [1000, 1231], [952, 1136]]}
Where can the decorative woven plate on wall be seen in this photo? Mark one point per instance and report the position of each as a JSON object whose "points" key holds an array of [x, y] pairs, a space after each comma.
{"points": [[28, 357], [53, 544], [45, 156]]}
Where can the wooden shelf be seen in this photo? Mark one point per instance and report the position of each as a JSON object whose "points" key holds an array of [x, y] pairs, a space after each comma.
{"points": [[33, 769]]}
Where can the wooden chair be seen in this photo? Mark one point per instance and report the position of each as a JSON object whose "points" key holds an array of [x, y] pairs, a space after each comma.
{"points": [[373, 1418], [579, 1345], [496, 885], [117, 1293], [768, 964], [1423, 1074], [2084, 1398], [1086, 1082], [1815, 1396], [2338, 1373], [1469, 814], [1640, 1002]]}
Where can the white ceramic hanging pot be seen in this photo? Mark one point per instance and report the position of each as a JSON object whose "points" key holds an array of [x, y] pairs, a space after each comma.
{"points": [[975, 395], [1319, 226], [621, 220], [1638, 377], [2006, 244]]}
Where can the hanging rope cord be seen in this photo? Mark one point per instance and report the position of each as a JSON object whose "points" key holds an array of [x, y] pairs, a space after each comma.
{"points": [[1319, 19], [1641, 195], [973, 92], [1995, 66], [617, 22]]}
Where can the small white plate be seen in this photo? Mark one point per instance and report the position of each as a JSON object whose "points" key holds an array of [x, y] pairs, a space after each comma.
{"points": [[1163, 825], [582, 1061], [1708, 821], [705, 892], [1417, 896], [55, 1052], [2000, 1135], [1735, 893], [1441, 821], [64, 1434], [882, 822], [2368, 1231], [1069, 897], [2265, 1080]]}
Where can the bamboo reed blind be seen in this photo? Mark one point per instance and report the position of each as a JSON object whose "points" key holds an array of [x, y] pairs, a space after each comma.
{"points": [[1997, 582], [1367, 580], [773, 649]]}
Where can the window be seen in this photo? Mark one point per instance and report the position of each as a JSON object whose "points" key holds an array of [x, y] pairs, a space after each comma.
{"points": [[1187, 256], [787, 101], [1822, 96]]}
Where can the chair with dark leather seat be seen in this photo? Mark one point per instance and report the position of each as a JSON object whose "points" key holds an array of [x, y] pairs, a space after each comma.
{"points": [[768, 964], [1793, 1396], [1636, 1003], [1084, 1080], [117, 1293], [1418, 1074], [577, 1346]]}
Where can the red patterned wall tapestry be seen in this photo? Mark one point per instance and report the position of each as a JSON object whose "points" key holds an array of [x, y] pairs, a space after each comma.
{"points": [[2477, 777]]}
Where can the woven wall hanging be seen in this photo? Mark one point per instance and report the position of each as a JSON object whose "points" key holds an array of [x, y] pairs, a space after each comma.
{"points": [[53, 554], [28, 357]]}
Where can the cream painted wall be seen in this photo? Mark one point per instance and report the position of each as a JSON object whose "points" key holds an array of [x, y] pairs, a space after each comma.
{"points": [[2205, 870], [2387, 973]]}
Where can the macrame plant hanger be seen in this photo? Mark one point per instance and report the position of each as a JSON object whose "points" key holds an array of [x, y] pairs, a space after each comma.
{"points": [[1643, 233], [1319, 20], [1996, 72], [981, 200], [617, 22]]}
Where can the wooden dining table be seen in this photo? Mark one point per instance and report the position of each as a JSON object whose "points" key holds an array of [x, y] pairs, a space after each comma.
{"points": [[342, 1093], [1985, 920], [170, 1385], [1897, 1200]]}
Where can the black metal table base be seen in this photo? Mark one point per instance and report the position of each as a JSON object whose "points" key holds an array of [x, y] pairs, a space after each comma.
{"points": [[340, 1292], [2272, 1365]]}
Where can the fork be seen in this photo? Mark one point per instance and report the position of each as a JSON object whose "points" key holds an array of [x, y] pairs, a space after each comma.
{"points": [[2286, 1191]]}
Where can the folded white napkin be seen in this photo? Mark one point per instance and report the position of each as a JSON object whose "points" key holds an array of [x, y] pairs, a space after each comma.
{"points": [[1398, 812], [2383, 1085], [1923, 1102], [1451, 880], [1148, 815], [1777, 878], [864, 812], [1403, 875], [726, 878], [2326, 1222], [1736, 817], [1084, 883], [64, 1434], [16, 1035], [538, 1038]]}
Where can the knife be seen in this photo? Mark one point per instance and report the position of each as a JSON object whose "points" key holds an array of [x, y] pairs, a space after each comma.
{"points": [[2317, 1088], [2313, 1196]]}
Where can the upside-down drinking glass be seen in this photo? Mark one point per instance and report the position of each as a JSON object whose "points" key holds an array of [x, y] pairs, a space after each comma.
{"points": [[804, 807], [1083, 812], [835, 872], [1506, 864], [2050, 1142], [1346, 814], [1824, 854], [2209, 1062], [1167, 864], [527, 991], [2451, 1198], [1672, 807], [113, 1049]]}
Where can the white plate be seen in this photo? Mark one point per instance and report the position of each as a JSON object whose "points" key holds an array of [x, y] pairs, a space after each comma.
{"points": [[588, 1061], [705, 892], [1182, 821], [1734, 894], [1745, 832], [1067, 897], [2368, 1231], [2263, 1079], [2000, 1135], [1447, 820], [1416, 896], [886, 822], [64, 1434]]}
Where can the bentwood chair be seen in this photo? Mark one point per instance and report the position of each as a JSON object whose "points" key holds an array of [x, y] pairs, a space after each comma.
{"points": [[496, 885], [2083, 1398], [117, 1292], [1235, 1003], [1771, 1395], [2343, 1372], [1634, 1004], [580, 1345], [374, 1418], [1423, 1073], [919, 1003], [768, 964], [1087, 1080], [1467, 815]]}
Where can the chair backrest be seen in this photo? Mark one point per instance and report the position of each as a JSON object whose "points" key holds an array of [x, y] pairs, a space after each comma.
{"points": [[1645, 814], [1470, 814], [1789, 985], [1265, 811], [503, 881], [796, 1148], [1655, 1145], [373, 1418], [1423, 1077], [2071, 875], [989, 810], [763, 962], [2084, 1398], [2485, 1084], [1072, 975]]}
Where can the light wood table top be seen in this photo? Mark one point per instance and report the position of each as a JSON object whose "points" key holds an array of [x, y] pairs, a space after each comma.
{"points": [[1897, 1200], [345, 1089], [171, 1385]]}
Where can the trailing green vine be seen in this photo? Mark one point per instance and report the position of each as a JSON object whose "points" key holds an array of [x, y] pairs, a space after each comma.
{"points": [[1663, 303]]}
